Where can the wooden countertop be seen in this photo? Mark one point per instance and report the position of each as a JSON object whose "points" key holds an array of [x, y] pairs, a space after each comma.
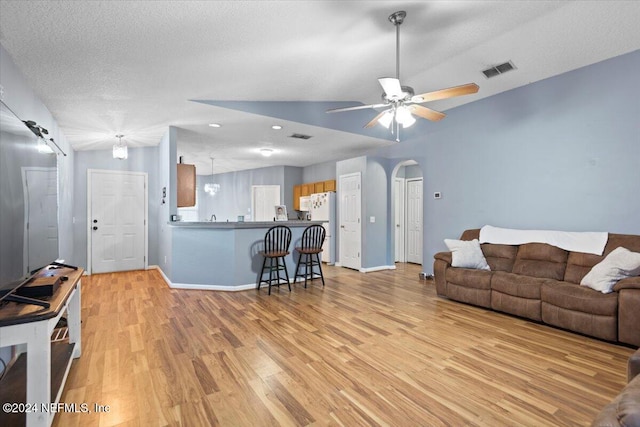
{"points": [[12, 313]]}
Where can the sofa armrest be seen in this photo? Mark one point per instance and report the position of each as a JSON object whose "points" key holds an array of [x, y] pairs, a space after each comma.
{"points": [[444, 256], [442, 261], [633, 368], [628, 283]]}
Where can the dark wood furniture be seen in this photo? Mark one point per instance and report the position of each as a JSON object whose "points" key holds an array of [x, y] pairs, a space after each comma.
{"points": [[38, 375], [276, 248], [311, 245]]}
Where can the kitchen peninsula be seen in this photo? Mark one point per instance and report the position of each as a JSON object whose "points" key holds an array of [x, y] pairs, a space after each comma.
{"points": [[224, 255]]}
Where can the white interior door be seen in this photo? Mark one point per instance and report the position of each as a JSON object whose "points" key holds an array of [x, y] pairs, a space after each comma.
{"points": [[399, 204], [117, 221], [350, 227], [414, 220], [264, 199], [40, 187]]}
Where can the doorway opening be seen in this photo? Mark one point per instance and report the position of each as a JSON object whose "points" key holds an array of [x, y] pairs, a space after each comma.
{"points": [[117, 218], [407, 212]]}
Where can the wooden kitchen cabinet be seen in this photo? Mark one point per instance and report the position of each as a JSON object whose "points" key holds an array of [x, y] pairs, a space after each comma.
{"points": [[318, 187], [306, 189], [186, 185], [330, 185], [297, 192]]}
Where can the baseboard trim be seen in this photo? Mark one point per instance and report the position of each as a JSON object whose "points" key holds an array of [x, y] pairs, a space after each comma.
{"points": [[378, 268], [192, 286]]}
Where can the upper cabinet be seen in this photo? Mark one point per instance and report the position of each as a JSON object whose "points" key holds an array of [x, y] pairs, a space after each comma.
{"points": [[310, 188], [186, 185], [330, 185], [297, 192]]}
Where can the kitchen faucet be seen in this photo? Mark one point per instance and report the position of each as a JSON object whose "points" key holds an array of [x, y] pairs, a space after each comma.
{"points": [[213, 218]]}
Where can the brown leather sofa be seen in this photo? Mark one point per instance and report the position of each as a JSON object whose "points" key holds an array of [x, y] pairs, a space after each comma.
{"points": [[624, 410], [541, 282]]}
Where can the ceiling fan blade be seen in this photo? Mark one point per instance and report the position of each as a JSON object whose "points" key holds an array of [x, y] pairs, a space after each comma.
{"points": [[467, 89], [427, 113], [357, 107], [375, 120], [391, 87]]}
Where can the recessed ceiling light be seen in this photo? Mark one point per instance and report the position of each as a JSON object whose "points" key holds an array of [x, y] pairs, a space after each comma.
{"points": [[215, 125], [276, 127], [267, 152]]}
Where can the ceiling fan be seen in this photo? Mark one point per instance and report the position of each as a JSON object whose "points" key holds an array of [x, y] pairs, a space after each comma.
{"points": [[400, 102]]}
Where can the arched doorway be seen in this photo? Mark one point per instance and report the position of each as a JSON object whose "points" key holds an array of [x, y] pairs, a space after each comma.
{"points": [[407, 212]]}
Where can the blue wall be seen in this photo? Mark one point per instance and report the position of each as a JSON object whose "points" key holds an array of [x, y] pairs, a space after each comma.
{"points": [[234, 196], [562, 153], [167, 179], [319, 172], [140, 160]]}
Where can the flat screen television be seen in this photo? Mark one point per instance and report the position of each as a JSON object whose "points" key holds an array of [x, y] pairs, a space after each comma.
{"points": [[28, 203]]}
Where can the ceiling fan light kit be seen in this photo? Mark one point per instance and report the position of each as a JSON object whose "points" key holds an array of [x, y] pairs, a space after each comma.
{"points": [[400, 102]]}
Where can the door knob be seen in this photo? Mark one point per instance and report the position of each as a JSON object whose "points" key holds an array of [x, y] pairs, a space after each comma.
{"points": [[95, 228], [95, 221], [342, 226]]}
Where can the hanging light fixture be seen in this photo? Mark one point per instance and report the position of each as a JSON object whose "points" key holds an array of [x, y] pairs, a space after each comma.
{"points": [[210, 187], [120, 149], [43, 147]]}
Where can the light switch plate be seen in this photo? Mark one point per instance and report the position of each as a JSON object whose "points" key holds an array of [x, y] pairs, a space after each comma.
{"points": [[372, 219]]}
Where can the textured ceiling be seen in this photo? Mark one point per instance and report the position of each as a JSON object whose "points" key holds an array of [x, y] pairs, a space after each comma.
{"points": [[136, 67]]}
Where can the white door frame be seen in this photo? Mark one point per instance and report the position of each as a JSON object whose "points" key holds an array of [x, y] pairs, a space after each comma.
{"points": [[400, 220], [407, 181], [90, 173], [340, 226]]}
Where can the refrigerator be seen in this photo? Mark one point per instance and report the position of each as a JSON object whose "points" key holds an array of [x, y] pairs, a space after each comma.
{"points": [[322, 207]]}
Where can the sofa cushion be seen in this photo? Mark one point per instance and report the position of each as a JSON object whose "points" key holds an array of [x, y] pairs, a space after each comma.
{"points": [[517, 285], [579, 264], [466, 254], [579, 298], [540, 260], [620, 264], [624, 410], [477, 279], [500, 257]]}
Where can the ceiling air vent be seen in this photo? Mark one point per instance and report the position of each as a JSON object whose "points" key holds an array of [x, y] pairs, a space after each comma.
{"points": [[498, 69], [299, 136]]}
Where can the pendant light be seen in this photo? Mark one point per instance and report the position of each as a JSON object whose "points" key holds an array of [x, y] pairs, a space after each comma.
{"points": [[210, 187], [120, 149]]}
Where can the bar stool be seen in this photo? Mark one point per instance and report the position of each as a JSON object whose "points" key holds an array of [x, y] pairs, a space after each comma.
{"points": [[276, 247], [312, 239]]}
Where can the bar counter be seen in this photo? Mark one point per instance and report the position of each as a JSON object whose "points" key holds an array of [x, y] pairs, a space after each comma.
{"points": [[223, 255]]}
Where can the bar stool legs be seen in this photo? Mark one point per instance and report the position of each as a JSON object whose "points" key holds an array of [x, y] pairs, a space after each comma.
{"points": [[276, 248], [275, 267], [310, 245], [309, 262]]}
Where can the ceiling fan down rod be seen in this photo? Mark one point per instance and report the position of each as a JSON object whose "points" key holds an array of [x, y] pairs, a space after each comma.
{"points": [[396, 19]]}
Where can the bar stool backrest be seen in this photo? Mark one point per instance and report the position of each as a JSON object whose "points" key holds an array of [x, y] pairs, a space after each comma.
{"points": [[313, 237], [277, 239]]}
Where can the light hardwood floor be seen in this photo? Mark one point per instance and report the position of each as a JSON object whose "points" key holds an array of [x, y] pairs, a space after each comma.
{"points": [[367, 349]]}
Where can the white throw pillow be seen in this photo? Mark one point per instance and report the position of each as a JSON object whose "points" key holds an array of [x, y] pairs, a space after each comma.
{"points": [[619, 264], [467, 254]]}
